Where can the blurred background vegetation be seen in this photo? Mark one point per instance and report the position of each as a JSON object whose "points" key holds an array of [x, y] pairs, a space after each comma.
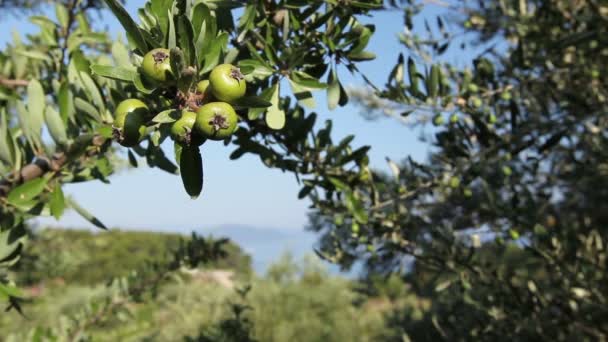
{"points": [[296, 300]]}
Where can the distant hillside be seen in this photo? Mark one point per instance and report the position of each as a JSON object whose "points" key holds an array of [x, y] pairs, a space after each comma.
{"points": [[264, 245], [86, 257]]}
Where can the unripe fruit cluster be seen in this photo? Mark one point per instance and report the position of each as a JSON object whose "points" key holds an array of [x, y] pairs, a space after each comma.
{"points": [[213, 117]]}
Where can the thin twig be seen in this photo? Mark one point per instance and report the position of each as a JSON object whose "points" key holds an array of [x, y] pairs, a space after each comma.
{"points": [[13, 83]]}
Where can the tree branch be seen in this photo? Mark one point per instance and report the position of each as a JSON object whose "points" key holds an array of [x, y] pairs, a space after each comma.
{"points": [[39, 167], [13, 83]]}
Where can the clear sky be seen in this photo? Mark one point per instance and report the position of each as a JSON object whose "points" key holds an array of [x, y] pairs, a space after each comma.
{"points": [[244, 191]]}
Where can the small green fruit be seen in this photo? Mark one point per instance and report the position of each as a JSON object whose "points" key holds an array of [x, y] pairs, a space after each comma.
{"points": [[454, 182], [438, 120], [157, 65], [130, 122], [476, 102], [492, 119], [182, 130], [473, 88], [227, 83], [202, 86], [216, 121]]}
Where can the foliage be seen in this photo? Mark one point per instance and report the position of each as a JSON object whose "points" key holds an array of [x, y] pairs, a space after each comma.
{"points": [[86, 258], [517, 169], [114, 302], [294, 302]]}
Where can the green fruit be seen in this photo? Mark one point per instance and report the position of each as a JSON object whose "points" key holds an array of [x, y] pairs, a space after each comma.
{"points": [[191, 170], [476, 102], [182, 130], [227, 83], [202, 86], [492, 119], [438, 120], [157, 65], [216, 121], [130, 122], [473, 88]]}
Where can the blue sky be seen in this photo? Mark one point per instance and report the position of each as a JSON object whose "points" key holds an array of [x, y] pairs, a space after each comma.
{"points": [[240, 192]]}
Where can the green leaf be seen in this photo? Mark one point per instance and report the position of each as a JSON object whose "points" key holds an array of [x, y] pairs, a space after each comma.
{"points": [[62, 14], [167, 116], [185, 38], [177, 150], [120, 53], [306, 81], [434, 81], [87, 108], [132, 159], [93, 92], [356, 208], [362, 56], [333, 91], [340, 185], [57, 202], [251, 102], [66, 102], [129, 25], [7, 148], [7, 291], [84, 213], [143, 85], [34, 55], [172, 36], [258, 70], [191, 170], [302, 94], [36, 103], [11, 243], [26, 191], [275, 116], [115, 73], [266, 95], [160, 9], [413, 74], [56, 126], [212, 56], [29, 125], [156, 158]]}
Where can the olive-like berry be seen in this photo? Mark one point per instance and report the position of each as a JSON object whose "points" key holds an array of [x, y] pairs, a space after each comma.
{"points": [[202, 86], [216, 121], [157, 65], [227, 83], [130, 120], [182, 130]]}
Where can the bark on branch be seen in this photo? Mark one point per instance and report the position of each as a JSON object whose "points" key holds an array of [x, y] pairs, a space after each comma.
{"points": [[13, 83], [39, 167]]}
